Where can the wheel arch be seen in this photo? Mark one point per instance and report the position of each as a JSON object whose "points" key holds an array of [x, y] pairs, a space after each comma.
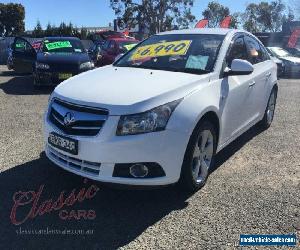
{"points": [[212, 117]]}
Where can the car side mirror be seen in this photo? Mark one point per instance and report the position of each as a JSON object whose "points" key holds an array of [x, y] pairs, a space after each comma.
{"points": [[239, 67], [118, 57]]}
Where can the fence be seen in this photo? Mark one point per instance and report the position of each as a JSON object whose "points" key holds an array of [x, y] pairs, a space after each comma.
{"points": [[7, 41]]}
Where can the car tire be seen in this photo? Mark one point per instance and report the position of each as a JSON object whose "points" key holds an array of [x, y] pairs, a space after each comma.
{"points": [[266, 122], [199, 157]]}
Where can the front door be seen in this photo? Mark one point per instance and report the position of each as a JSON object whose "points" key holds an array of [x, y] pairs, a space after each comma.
{"points": [[236, 94], [24, 56]]}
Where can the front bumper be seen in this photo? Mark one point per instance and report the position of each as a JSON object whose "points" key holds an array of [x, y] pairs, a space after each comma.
{"points": [[48, 78], [98, 154]]}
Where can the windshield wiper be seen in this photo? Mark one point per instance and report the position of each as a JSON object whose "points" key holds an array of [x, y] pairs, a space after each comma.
{"points": [[185, 70], [191, 71]]}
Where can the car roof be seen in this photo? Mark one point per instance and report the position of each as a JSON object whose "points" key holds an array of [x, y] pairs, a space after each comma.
{"points": [[121, 39], [209, 31], [61, 37]]}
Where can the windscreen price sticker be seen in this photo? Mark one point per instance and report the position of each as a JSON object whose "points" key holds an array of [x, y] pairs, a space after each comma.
{"points": [[58, 45], [162, 49]]}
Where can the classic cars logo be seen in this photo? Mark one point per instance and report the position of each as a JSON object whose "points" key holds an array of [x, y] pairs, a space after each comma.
{"points": [[30, 201], [69, 119]]}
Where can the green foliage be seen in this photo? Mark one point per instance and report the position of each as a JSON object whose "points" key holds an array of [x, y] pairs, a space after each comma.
{"points": [[154, 15], [62, 30], [215, 13], [12, 19], [38, 30], [264, 16]]}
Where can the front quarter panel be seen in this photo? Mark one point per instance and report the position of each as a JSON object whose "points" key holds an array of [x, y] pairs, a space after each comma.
{"points": [[192, 108]]}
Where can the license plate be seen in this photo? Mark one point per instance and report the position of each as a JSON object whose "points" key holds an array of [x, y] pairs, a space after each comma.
{"points": [[63, 143], [64, 76]]}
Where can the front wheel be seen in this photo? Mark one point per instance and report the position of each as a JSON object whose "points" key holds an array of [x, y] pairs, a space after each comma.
{"points": [[199, 157], [270, 110]]}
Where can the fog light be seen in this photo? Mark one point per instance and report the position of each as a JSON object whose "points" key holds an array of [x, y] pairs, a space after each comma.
{"points": [[138, 170]]}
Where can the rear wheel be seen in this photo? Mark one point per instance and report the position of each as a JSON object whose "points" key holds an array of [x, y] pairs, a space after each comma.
{"points": [[270, 110], [199, 157]]}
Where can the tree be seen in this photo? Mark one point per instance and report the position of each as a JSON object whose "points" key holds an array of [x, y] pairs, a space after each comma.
{"points": [[83, 33], [215, 13], [266, 17], [49, 30], [38, 30], [250, 16], [12, 19], [154, 15]]}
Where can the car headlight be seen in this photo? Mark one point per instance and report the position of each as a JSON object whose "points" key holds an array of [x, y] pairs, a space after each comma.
{"points": [[86, 65], [150, 121], [41, 65]]}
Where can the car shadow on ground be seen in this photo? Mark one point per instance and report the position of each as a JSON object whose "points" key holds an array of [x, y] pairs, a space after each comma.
{"points": [[21, 84], [121, 214], [236, 145]]}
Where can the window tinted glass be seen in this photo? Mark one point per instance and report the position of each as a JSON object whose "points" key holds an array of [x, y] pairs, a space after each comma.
{"points": [[265, 53], [237, 51], [254, 50], [105, 45], [111, 45], [22, 46]]}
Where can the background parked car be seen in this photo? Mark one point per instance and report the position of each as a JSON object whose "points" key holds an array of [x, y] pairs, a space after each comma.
{"points": [[114, 47], [94, 51], [291, 63], [9, 58], [37, 44], [294, 51], [57, 59], [279, 63]]}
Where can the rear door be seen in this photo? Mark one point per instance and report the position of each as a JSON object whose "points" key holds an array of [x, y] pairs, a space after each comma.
{"points": [[24, 56], [261, 75]]}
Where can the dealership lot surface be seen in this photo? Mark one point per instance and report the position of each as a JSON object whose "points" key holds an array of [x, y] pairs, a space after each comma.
{"points": [[255, 188]]}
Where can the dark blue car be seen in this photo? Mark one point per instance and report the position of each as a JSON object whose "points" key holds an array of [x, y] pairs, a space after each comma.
{"points": [[57, 59]]}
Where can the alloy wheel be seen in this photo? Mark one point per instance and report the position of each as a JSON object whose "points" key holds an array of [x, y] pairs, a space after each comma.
{"points": [[202, 156]]}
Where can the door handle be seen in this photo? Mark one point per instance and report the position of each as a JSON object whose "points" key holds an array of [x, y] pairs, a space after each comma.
{"points": [[268, 74], [252, 83]]}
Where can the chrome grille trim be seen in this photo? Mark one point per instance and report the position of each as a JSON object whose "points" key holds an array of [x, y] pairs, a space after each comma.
{"points": [[88, 120], [87, 167]]}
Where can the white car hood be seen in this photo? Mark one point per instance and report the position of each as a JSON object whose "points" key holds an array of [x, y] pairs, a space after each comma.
{"points": [[124, 90], [292, 59]]}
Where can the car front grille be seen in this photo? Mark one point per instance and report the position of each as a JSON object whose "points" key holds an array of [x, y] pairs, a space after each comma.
{"points": [[73, 119], [86, 167]]}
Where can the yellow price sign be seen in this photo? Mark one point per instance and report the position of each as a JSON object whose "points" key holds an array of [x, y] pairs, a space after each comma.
{"points": [[162, 49]]}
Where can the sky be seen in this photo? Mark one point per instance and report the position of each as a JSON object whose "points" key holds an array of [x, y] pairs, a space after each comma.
{"points": [[93, 13]]}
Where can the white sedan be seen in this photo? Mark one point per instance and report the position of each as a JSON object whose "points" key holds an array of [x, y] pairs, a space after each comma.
{"points": [[163, 110]]}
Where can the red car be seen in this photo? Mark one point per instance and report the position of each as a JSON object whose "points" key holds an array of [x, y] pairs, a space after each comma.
{"points": [[37, 44], [114, 47]]}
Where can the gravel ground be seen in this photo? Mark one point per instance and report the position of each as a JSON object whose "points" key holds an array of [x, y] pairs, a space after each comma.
{"points": [[253, 190]]}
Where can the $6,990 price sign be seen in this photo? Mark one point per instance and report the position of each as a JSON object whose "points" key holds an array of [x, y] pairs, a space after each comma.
{"points": [[162, 49]]}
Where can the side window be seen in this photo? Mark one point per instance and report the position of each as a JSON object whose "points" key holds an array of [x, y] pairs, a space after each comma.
{"points": [[254, 50], [105, 45], [237, 50], [22, 45], [265, 53], [112, 45]]}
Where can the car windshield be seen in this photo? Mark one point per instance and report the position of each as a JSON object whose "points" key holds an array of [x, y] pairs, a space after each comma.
{"points": [[127, 45], [279, 51], [192, 53], [62, 46]]}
